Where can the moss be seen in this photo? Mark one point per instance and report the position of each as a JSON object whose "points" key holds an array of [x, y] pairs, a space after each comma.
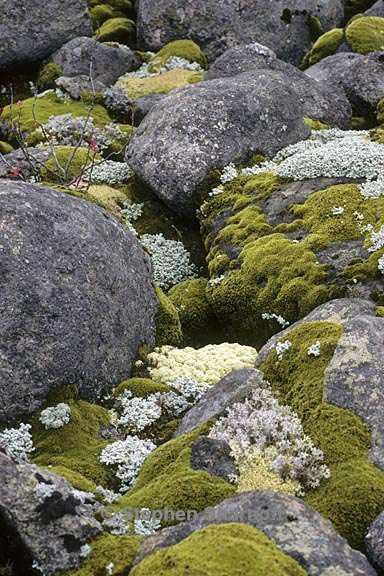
{"points": [[366, 34], [68, 164], [377, 135], [117, 30], [5, 148], [166, 480], [75, 447], [380, 111], [48, 74], [315, 124], [380, 311], [125, 6], [112, 199], [221, 550], [29, 113], [324, 46], [100, 14], [354, 494], [168, 327], [106, 549], [136, 88], [76, 479], [198, 321], [142, 387], [186, 49]]}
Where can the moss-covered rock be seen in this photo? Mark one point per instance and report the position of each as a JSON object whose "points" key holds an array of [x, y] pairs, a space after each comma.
{"points": [[221, 550], [67, 164], [366, 34], [167, 480], [120, 551], [48, 74], [5, 148], [186, 49], [135, 87], [100, 14], [117, 30], [168, 327], [324, 46], [74, 449]]}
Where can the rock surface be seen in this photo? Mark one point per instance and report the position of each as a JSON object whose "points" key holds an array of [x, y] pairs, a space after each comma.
{"points": [[50, 519], [374, 541], [77, 297], [31, 30], [283, 25], [103, 62], [294, 527], [213, 456]]}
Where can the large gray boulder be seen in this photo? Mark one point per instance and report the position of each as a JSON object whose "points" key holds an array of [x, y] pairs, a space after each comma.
{"points": [[374, 541], [44, 518], [31, 30], [376, 10], [354, 378], [209, 125], [295, 528], [76, 296], [86, 56], [283, 25], [360, 77]]}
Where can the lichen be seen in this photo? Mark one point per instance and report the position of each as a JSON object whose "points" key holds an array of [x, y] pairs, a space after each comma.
{"points": [[221, 550]]}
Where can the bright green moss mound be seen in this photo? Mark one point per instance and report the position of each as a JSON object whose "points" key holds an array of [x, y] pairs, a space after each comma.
{"points": [[107, 549], [48, 74], [75, 447], [5, 148], [221, 550], [198, 322], [117, 30], [324, 46], [31, 112], [168, 327], [166, 480], [354, 494], [68, 163], [142, 387], [366, 34], [76, 479], [101, 13], [136, 88], [186, 49]]}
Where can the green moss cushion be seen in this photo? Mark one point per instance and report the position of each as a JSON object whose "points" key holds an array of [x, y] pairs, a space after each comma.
{"points": [[366, 34], [186, 49], [116, 30], [324, 46], [221, 550]]}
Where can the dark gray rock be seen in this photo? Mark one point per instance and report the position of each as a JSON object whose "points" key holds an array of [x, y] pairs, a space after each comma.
{"points": [[211, 124], [144, 105], [376, 10], [213, 456], [27, 162], [232, 388], [76, 85], [104, 62], [50, 519], [31, 30], [243, 59], [354, 378], [76, 293], [374, 541], [361, 77], [283, 25], [295, 528]]}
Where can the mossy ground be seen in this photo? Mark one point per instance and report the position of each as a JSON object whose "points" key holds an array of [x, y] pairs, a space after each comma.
{"points": [[221, 550], [354, 494], [67, 164]]}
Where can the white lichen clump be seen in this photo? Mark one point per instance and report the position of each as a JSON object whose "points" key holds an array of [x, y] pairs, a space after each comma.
{"points": [[109, 172], [170, 260], [205, 365], [314, 349], [272, 316], [18, 441], [55, 416], [67, 130], [282, 347]]}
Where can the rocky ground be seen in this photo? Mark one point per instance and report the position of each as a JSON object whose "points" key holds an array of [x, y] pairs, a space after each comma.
{"points": [[192, 288]]}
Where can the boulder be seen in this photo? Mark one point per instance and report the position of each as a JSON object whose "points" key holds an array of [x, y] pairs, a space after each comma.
{"points": [[374, 541], [103, 62], [284, 26], [360, 76], [76, 86], [293, 526], [45, 519], [232, 388], [213, 456], [31, 30], [77, 297], [376, 10], [209, 125], [243, 59]]}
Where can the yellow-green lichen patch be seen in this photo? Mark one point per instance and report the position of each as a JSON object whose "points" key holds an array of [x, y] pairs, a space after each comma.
{"points": [[166, 480], [168, 327], [222, 550], [366, 34], [117, 552], [186, 49], [324, 46], [76, 446], [116, 30], [354, 494], [28, 114], [135, 87]]}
